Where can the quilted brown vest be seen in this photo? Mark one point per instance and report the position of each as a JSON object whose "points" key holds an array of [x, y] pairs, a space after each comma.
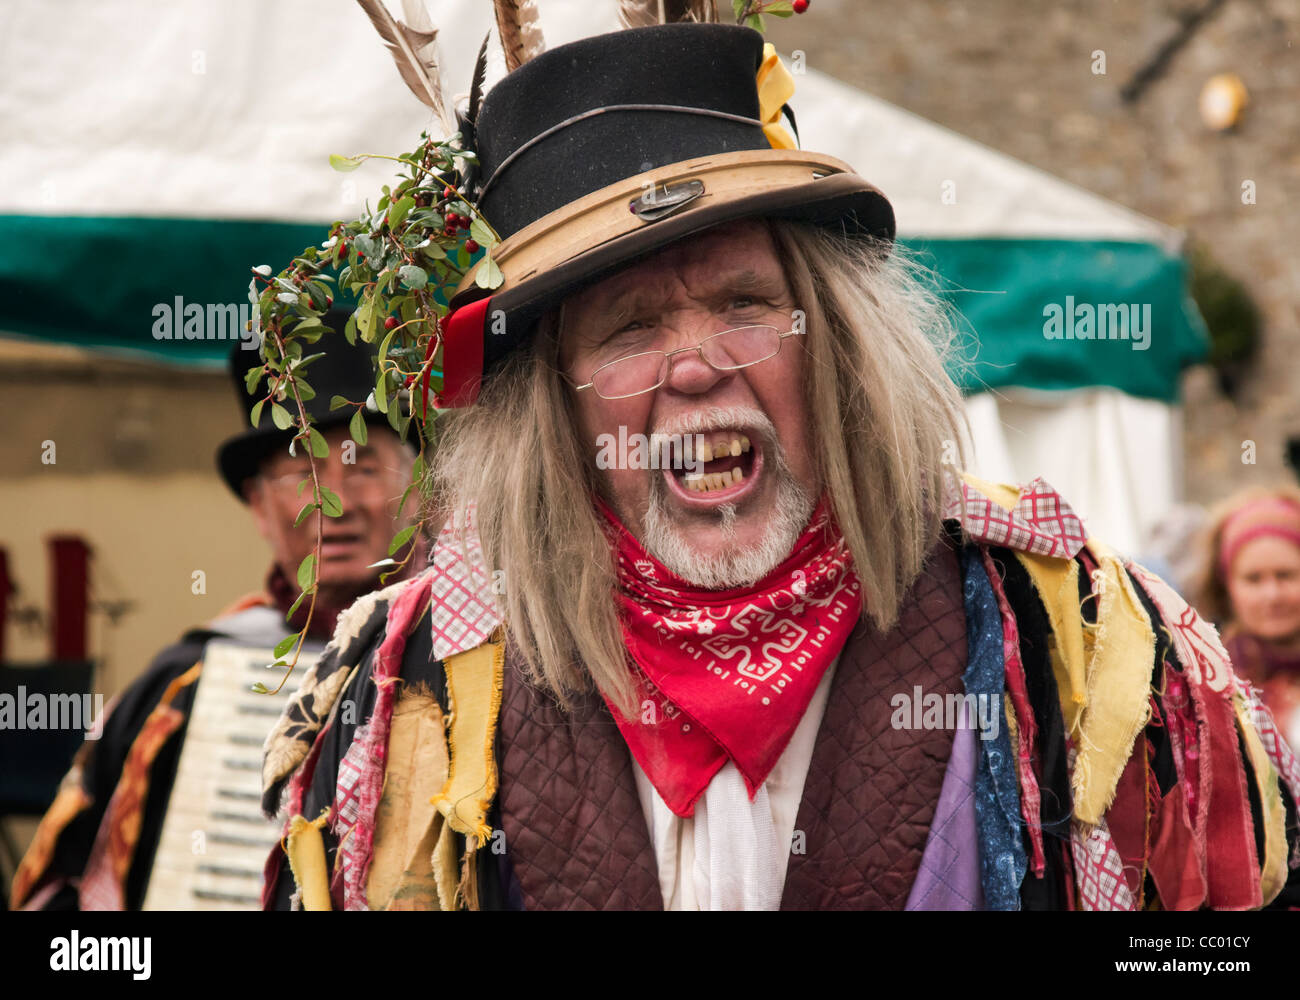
{"points": [[577, 835]]}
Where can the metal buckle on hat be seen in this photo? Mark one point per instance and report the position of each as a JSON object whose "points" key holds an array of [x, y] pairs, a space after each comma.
{"points": [[658, 203]]}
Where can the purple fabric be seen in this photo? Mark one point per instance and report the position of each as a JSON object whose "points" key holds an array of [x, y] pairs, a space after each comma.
{"points": [[949, 876]]}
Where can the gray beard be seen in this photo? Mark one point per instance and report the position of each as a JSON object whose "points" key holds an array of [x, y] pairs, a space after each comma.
{"points": [[734, 566]]}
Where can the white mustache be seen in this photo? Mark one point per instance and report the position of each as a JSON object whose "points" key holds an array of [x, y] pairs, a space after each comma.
{"points": [[717, 418]]}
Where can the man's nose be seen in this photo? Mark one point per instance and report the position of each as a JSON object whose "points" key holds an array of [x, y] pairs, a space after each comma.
{"points": [[688, 371]]}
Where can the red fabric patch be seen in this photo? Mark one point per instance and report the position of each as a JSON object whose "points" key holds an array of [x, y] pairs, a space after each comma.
{"points": [[1127, 817], [728, 673], [1232, 866], [462, 355], [1176, 862]]}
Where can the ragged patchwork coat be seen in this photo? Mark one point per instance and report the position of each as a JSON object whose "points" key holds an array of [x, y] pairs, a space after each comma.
{"points": [[419, 769]]}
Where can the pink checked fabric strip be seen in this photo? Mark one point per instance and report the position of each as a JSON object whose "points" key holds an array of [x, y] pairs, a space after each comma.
{"points": [[1282, 756], [1041, 522], [463, 610], [346, 812], [1098, 869]]}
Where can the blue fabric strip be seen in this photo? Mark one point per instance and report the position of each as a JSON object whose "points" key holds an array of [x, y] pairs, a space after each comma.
{"points": [[997, 796]]}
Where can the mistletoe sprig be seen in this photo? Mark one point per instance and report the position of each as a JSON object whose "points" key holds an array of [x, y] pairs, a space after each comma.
{"points": [[402, 261]]}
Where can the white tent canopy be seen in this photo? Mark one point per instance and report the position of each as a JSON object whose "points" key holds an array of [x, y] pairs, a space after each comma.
{"points": [[187, 109]]}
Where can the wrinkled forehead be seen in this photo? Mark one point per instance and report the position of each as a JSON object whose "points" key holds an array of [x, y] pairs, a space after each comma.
{"points": [[740, 254]]}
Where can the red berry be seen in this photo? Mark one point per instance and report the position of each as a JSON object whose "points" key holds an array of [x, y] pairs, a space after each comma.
{"points": [[471, 246], [410, 379], [390, 322], [452, 219], [329, 300], [800, 6], [447, 192], [463, 222]]}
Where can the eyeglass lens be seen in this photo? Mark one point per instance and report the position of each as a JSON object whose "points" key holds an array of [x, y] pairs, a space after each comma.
{"points": [[728, 351]]}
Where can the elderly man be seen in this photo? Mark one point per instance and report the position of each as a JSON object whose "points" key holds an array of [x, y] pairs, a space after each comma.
{"points": [[802, 664], [95, 847]]}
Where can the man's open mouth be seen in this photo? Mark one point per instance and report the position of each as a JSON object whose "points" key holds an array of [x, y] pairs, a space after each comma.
{"points": [[727, 463]]}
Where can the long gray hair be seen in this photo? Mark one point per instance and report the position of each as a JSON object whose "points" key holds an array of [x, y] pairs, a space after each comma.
{"points": [[884, 418]]}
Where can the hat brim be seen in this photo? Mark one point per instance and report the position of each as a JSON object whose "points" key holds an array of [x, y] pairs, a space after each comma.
{"points": [[598, 235]]}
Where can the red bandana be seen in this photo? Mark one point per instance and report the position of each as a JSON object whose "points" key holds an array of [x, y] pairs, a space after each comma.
{"points": [[728, 673]]}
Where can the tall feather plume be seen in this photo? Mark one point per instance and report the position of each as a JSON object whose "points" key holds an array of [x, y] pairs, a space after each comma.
{"points": [[520, 31], [414, 51], [643, 13], [476, 82]]}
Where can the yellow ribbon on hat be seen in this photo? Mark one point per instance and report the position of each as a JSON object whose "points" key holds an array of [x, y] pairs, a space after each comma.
{"points": [[775, 88]]}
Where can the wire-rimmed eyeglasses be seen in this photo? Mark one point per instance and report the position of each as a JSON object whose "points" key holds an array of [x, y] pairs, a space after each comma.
{"points": [[727, 351]]}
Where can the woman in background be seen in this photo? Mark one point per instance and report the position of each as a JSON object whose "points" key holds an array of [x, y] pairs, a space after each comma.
{"points": [[1251, 588]]}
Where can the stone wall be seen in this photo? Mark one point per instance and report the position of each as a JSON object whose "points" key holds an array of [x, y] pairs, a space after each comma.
{"points": [[1018, 76]]}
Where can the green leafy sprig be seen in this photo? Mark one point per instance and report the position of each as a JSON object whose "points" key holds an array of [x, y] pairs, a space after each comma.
{"points": [[402, 261], [750, 12]]}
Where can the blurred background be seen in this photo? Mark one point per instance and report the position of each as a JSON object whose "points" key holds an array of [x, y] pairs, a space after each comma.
{"points": [[1113, 153]]}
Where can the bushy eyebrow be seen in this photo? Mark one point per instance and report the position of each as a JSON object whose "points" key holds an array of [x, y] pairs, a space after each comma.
{"points": [[744, 281]]}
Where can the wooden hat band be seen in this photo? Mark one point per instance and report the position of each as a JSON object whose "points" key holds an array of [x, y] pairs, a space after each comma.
{"points": [[638, 202]]}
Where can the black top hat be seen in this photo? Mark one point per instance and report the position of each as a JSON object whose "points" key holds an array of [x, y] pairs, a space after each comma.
{"points": [[346, 370], [599, 152]]}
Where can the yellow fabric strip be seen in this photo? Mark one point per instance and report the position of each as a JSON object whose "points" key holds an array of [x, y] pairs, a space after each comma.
{"points": [[1273, 867], [775, 88], [306, 850], [406, 824], [1117, 704], [474, 701]]}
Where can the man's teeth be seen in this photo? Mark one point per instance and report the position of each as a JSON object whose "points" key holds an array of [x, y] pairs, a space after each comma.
{"points": [[722, 446], [709, 481]]}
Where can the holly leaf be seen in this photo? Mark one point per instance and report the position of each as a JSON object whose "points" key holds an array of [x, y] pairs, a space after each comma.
{"points": [[256, 416], [338, 402], [284, 645], [302, 514]]}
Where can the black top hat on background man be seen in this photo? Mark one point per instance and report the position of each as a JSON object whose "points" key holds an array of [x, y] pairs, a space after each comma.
{"points": [[599, 152], [346, 370]]}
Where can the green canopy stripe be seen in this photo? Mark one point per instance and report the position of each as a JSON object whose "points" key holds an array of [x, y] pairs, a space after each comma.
{"points": [[172, 288]]}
